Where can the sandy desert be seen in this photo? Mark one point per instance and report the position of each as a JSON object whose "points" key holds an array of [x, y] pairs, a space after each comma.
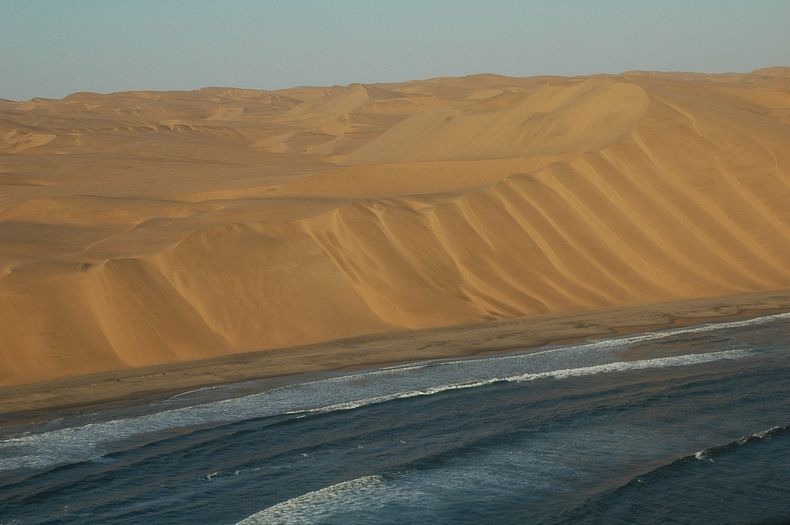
{"points": [[154, 228]]}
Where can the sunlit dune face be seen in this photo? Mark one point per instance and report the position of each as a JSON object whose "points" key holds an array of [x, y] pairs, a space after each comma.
{"points": [[142, 228]]}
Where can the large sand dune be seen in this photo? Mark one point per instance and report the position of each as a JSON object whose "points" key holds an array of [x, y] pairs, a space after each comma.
{"points": [[143, 228]]}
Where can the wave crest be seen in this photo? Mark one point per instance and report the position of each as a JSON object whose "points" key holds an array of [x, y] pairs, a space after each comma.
{"points": [[309, 507], [618, 366]]}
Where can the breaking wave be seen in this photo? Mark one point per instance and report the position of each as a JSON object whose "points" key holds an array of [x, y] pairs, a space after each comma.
{"points": [[619, 366], [310, 507], [84, 442], [670, 472]]}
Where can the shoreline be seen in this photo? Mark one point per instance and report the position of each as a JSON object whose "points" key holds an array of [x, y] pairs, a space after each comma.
{"points": [[40, 401]]}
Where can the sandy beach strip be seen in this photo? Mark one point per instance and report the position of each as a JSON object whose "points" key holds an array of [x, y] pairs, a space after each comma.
{"points": [[38, 401]]}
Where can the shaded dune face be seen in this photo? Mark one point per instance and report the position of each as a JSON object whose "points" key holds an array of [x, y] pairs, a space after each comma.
{"points": [[144, 228]]}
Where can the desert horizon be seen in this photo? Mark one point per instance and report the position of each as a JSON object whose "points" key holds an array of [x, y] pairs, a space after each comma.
{"points": [[33, 97]]}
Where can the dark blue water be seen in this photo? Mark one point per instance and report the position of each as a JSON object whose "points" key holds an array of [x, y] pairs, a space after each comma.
{"points": [[682, 426]]}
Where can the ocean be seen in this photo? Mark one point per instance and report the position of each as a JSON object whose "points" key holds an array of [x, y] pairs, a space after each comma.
{"points": [[687, 425]]}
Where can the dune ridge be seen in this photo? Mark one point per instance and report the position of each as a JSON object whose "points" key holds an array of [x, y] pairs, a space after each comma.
{"points": [[145, 228]]}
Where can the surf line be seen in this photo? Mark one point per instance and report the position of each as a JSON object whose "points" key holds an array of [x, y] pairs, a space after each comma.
{"points": [[617, 366]]}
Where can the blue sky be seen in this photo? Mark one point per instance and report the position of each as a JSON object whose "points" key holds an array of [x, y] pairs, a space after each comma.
{"points": [[54, 47]]}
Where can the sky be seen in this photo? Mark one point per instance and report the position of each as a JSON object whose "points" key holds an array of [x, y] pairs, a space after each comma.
{"points": [[49, 48]]}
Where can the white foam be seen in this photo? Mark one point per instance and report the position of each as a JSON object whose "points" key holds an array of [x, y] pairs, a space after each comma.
{"points": [[766, 433], [618, 366], [188, 392], [617, 342], [89, 441], [708, 327], [310, 507], [703, 455], [527, 468], [658, 362]]}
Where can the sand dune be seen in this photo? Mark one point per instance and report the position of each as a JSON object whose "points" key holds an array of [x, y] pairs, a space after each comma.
{"points": [[144, 228]]}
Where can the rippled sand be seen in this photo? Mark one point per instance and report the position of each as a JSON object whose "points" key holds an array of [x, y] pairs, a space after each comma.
{"points": [[145, 229]]}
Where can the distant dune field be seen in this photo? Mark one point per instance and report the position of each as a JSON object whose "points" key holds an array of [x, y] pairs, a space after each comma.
{"points": [[144, 228]]}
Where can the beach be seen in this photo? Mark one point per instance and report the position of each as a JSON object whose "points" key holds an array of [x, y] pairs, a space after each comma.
{"points": [[43, 400], [633, 428]]}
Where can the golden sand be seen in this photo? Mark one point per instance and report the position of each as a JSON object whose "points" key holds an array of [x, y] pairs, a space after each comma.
{"points": [[124, 387], [146, 229]]}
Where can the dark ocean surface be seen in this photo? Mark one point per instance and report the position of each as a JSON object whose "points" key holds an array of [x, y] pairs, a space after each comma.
{"points": [[688, 425]]}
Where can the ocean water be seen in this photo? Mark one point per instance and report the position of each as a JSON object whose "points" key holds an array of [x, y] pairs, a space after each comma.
{"points": [[689, 425]]}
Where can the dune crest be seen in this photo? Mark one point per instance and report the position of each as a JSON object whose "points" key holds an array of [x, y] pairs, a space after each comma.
{"points": [[143, 228]]}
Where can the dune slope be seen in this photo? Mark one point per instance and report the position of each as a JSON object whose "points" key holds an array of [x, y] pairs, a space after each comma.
{"points": [[144, 228]]}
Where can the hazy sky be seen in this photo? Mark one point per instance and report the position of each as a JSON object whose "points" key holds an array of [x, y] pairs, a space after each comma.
{"points": [[52, 48]]}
